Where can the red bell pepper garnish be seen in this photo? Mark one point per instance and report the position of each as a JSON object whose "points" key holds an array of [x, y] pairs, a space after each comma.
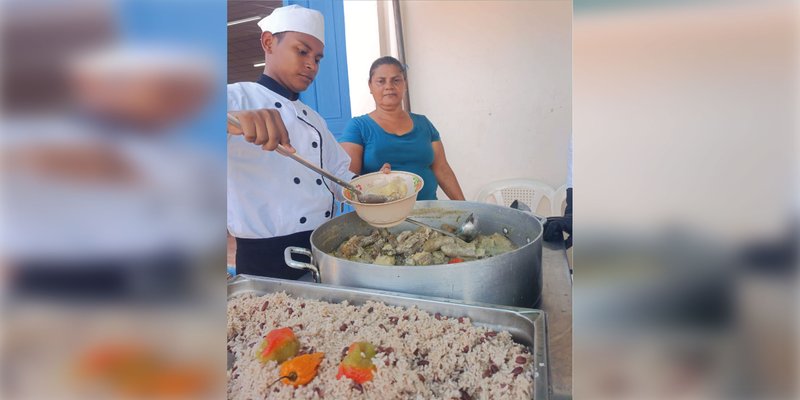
{"points": [[455, 260], [358, 375], [279, 345], [357, 364]]}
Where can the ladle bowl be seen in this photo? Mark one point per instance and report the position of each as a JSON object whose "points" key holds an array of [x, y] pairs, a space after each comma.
{"points": [[389, 214]]}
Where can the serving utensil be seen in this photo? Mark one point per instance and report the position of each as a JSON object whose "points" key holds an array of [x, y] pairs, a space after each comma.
{"points": [[369, 198], [467, 232], [469, 229]]}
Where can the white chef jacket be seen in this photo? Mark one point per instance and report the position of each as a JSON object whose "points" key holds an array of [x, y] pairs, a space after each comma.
{"points": [[269, 194]]}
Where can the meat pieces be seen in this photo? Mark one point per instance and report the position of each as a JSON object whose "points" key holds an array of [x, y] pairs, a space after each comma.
{"points": [[494, 244], [436, 242], [368, 240], [463, 250], [384, 260], [412, 242], [418, 248], [422, 258], [351, 247]]}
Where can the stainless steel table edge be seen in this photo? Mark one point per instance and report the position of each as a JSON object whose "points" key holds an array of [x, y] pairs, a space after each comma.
{"points": [[537, 319]]}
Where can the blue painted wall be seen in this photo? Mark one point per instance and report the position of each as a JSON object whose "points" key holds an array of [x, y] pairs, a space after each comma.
{"points": [[330, 92]]}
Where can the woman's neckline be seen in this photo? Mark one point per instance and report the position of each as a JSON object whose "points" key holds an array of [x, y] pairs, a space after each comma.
{"points": [[413, 125]]}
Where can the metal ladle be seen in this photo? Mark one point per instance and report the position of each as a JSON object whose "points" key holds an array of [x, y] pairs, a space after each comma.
{"points": [[469, 229], [369, 198], [467, 232]]}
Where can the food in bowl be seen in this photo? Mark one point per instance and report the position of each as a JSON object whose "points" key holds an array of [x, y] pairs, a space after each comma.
{"points": [[390, 213], [394, 189], [419, 247], [416, 354]]}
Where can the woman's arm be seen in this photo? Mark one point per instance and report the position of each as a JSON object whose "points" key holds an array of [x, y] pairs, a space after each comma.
{"points": [[356, 153], [444, 174]]}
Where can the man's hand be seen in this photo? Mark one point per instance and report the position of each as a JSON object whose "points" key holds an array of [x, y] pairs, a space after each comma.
{"points": [[261, 127]]}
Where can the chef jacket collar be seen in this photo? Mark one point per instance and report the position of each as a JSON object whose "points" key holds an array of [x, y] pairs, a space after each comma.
{"points": [[276, 87]]}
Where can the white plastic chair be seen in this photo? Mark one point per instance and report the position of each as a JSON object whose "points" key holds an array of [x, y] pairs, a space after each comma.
{"points": [[536, 195], [560, 200]]}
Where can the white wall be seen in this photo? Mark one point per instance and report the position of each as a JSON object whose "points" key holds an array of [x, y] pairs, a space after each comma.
{"points": [[493, 76], [363, 47], [495, 79]]}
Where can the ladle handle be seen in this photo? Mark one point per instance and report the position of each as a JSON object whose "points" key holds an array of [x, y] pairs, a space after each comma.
{"points": [[424, 225], [282, 150]]}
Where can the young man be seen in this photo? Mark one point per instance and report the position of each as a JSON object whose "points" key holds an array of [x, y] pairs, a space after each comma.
{"points": [[273, 201]]}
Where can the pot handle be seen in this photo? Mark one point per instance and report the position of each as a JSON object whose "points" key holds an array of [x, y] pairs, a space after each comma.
{"points": [[287, 256]]}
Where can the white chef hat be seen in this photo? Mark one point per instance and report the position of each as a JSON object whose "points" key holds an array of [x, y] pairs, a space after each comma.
{"points": [[297, 19]]}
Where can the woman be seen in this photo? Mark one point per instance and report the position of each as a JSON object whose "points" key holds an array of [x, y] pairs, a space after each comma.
{"points": [[409, 142]]}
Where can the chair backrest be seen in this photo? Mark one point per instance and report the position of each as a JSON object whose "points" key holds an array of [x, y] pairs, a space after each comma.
{"points": [[560, 200], [536, 195]]}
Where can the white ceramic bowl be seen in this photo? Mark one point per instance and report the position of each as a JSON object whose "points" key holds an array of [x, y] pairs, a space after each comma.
{"points": [[384, 215]]}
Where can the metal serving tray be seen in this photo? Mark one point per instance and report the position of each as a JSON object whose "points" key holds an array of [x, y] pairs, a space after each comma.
{"points": [[527, 326]]}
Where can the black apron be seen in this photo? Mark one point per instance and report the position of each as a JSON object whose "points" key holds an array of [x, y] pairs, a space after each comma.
{"points": [[264, 257]]}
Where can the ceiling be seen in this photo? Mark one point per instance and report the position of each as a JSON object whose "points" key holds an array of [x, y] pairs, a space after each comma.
{"points": [[244, 48]]}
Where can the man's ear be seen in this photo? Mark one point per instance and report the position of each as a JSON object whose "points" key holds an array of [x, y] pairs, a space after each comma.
{"points": [[267, 41]]}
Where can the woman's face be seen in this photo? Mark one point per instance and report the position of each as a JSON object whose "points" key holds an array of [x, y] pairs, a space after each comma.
{"points": [[387, 85]]}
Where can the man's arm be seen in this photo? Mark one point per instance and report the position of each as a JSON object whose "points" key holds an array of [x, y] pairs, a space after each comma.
{"points": [[262, 127]]}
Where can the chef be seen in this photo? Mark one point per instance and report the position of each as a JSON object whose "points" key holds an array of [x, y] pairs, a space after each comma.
{"points": [[273, 201]]}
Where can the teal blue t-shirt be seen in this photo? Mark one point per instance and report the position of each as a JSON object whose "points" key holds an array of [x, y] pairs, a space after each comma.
{"points": [[411, 152]]}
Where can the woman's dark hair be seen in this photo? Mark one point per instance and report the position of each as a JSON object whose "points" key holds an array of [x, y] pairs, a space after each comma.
{"points": [[386, 60]]}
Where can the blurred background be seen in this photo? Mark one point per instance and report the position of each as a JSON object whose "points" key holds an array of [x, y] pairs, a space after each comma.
{"points": [[113, 198], [686, 173], [113, 182]]}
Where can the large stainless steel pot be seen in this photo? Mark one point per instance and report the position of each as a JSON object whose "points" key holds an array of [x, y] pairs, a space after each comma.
{"points": [[513, 278]]}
